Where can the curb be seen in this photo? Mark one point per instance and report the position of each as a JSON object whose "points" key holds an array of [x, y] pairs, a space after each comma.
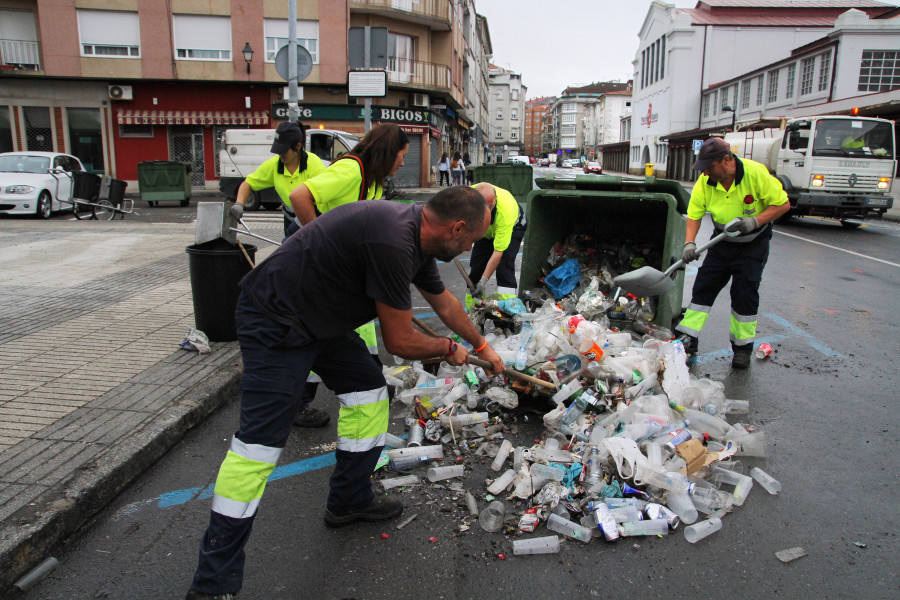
{"points": [[61, 511]]}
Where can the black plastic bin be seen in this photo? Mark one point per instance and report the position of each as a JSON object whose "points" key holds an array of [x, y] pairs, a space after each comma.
{"points": [[113, 190], [85, 186], [216, 267]]}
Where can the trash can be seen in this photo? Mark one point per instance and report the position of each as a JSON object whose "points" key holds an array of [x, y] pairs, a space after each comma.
{"points": [[650, 212], [216, 267], [85, 186], [112, 190], [164, 181], [648, 169]]}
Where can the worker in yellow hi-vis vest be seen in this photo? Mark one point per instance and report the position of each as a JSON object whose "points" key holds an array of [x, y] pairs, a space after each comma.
{"points": [[496, 252], [352, 177]]}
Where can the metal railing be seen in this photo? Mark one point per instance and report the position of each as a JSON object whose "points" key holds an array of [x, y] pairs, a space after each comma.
{"points": [[435, 9], [21, 53], [415, 73]]}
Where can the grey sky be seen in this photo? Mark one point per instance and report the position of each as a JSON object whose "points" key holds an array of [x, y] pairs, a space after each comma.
{"points": [[558, 43]]}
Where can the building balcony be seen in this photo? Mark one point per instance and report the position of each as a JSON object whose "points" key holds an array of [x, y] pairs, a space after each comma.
{"points": [[415, 74], [23, 55], [432, 13]]}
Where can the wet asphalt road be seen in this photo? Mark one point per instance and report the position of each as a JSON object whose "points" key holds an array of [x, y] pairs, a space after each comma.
{"points": [[826, 400]]}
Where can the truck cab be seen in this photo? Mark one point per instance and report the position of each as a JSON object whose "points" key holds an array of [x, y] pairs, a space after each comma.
{"points": [[243, 150]]}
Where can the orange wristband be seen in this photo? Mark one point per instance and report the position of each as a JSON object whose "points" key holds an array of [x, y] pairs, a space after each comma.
{"points": [[483, 346]]}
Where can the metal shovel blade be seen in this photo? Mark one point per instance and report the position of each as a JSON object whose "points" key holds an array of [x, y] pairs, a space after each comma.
{"points": [[214, 221], [645, 282]]}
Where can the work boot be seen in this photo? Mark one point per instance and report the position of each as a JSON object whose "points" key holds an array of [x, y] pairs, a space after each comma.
{"points": [[741, 359], [195, 595], [311, 417], [381, 508], [691, 344]]}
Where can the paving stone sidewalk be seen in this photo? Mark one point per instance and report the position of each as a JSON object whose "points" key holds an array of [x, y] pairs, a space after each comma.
{"points": [[94, 388]]}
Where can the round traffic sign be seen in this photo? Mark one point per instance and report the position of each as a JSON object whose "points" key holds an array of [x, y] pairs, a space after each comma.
{"points": [[304, 63]]}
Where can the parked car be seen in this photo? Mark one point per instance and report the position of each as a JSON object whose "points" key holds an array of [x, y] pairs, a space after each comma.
{"points": [[593, 168], [519, 160], [36, 183], [568, 164], [544, 162]]}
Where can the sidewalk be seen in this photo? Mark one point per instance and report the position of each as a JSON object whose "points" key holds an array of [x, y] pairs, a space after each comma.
{"points": [[94, 387]]}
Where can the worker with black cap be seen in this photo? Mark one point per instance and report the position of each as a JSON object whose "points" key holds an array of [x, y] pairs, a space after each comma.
{"points": [[291, 167], [740, 190]]}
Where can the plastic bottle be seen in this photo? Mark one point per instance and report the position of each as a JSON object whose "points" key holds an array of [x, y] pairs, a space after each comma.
{"points": [[579, 406], [505, 448], [542, 545], [656, 331], [695, 533], [772, 485], [594, 469], [522, 353], [569, 528]]}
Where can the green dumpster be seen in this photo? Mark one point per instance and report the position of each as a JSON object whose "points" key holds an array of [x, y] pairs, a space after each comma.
{"points": [[649, 211], [164, 181], [517, 179]]}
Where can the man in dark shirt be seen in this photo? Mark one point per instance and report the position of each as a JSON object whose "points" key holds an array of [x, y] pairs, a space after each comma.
{"points": [[297, 312]]}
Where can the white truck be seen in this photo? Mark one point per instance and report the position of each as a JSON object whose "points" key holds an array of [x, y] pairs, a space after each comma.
{"points": [[839, 167], [243, 150]]}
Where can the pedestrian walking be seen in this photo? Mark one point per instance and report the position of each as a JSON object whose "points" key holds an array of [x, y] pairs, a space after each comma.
{"points": [[467, 162], [297, 311], [730, 188], [496, 252], [291, 166], [458, 169], [444, 169]]}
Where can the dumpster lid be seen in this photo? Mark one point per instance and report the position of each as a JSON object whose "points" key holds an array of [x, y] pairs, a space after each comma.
{"points": [[515, 178], [617, 183]]}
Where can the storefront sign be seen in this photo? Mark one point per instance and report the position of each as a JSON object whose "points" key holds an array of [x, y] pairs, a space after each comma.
{"points": [[353, 112]]}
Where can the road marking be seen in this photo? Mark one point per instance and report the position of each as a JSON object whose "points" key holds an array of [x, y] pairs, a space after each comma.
{"points": [[812, 341], [887, 262]]}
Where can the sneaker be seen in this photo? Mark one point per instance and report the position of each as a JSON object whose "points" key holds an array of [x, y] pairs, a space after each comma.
{"points": [[195, 595], [741, 360], [691, 344], [381, 508], [311, 417]]}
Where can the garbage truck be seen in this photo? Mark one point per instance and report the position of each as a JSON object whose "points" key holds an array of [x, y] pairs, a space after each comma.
{"points": [[243, 150], [840, 167]]}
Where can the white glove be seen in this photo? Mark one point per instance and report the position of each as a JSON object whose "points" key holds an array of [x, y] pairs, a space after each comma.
{"points": [[237, 211], [742, 225]]}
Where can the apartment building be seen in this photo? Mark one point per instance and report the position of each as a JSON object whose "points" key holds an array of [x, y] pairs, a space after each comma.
{"points": [[535, 110], [573, 120], [118, 82], [507, 113], [683, 54]]}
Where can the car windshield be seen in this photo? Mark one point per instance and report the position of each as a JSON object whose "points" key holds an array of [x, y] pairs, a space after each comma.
{"points": [[23, 163], [853, 137]]}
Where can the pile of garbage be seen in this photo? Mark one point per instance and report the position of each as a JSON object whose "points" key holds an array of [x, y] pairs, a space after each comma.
{"points": [[633, 444]]}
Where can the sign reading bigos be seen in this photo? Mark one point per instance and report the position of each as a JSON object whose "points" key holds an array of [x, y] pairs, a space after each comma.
{"points": [[352, 112]]}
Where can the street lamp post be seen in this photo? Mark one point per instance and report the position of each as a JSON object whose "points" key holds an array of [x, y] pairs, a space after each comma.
{"points": [[248, 55], [727, 108]]}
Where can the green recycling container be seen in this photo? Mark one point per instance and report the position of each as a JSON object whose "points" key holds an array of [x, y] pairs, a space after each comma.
{"points": [[164, 181], [517, 179], [647, 210]]}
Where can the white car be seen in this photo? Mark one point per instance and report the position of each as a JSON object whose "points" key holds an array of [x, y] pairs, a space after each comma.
{"points": [[36, 183]]}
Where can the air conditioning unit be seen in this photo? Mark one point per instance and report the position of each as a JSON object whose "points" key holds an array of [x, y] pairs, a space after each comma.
{"points": [[120, 92], [420, 100]]}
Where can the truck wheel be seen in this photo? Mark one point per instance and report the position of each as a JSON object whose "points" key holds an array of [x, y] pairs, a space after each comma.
{"points": [[252, 202], [850, 224]]}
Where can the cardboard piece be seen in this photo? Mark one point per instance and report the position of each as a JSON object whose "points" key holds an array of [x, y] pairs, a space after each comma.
{"points": [[694, 454]]}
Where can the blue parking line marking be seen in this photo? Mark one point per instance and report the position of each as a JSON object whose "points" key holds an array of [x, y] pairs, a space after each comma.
{"points": [[812, 341], [725, 352]]}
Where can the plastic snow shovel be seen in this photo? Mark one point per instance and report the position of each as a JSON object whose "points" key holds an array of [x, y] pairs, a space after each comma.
{"points": [[648, 281]]}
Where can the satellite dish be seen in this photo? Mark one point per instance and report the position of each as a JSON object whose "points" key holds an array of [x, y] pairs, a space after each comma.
{"points": [[304, 63]]}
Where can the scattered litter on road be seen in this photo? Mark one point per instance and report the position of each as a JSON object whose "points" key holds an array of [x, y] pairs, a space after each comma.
{"points": [[196, 341], [860, 544], [632, 443], [406, 522], [790, 554]]}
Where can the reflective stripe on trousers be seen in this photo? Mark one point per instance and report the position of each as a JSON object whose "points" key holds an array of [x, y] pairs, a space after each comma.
{"points": [[743, 329], [242, 478], [363, 420]]}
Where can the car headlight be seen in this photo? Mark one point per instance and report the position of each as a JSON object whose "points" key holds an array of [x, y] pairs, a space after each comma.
{"points": [[884, 183], [19, 189]]}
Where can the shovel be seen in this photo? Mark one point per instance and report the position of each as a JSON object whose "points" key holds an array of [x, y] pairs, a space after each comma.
{"points": [[648, 281]]}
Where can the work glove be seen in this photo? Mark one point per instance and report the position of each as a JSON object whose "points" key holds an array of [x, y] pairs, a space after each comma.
{"points": [[237, 211], [478, 292], [742, 225], [689, 253]]}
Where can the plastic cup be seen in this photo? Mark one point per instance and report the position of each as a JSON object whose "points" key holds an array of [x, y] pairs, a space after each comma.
{"points": [[772, 485], [752, 444], [700, 530], [541, 545], [399, 481], [502, 482], [764, 351], [435, 452], [648, 527], [505, 448], [441, 473], [393, 441], [569, 528], [681, 505], [491, 518]]}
